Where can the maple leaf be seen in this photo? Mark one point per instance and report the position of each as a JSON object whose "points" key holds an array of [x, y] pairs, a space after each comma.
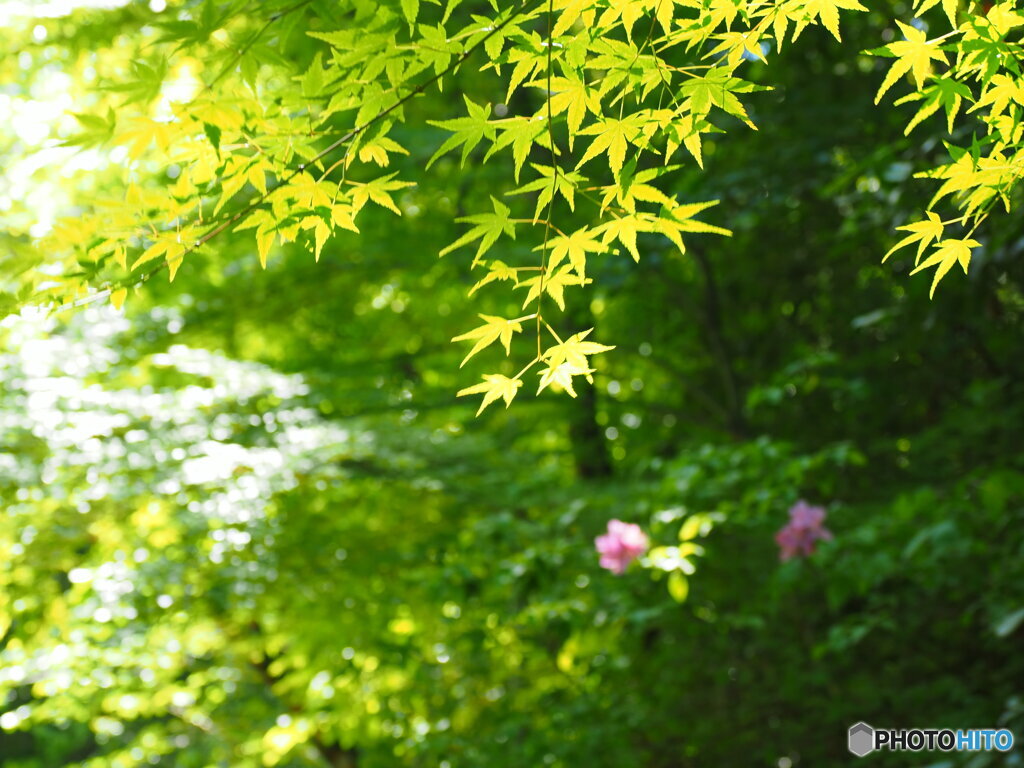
{"points": [[529, 56], [623, 228], [627, 13], [117, 298], [377, 191], [922, 232], [573, 247], [948, 6], [552, 284], [493, 329], [914, 55], [561, 375], [488, 229], [497, 270], [466, 131], [945, 93], [493, 387], [717, 89], [312, 193], [572, 96], [521, 133], [827, 12], [321, 232], [571, 11], [564, 183], [1001, 90], [611, 136], [946, 254], [410, 9], [574, 351], [170, 247]]}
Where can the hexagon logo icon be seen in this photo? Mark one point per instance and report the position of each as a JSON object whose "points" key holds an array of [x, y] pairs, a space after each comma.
{"points": [[861, 739]]}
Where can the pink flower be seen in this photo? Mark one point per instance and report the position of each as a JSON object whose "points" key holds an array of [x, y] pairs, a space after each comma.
{"points": [[623, 544], [802, 531]]}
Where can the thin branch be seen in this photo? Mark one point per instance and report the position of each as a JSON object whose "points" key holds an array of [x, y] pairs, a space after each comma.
{"points": [[554, 181], [252, 41]]}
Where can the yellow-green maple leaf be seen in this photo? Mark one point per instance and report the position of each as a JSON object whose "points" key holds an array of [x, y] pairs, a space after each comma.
{"points": [[489, 227], [493, 387], [117, 298], [827, 11], [552, 284], [948, 6], [946, 254], [169, 247], [611, 136], [496, 270], [572, 96], [378, 191], [561, 375], [321, 232], [574, 351], [1000, 91], [573, 247], [914, 55], [571, 10], [922, 232], [493, 329], [624, 229]]}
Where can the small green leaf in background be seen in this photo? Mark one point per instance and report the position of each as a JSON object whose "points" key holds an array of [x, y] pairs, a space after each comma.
{"points": [[678, 586]]}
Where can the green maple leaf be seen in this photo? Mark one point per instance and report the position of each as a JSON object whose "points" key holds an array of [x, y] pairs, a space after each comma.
{"points": [[574, 97], [489, 227], [945, 93], [467, 132], [565, 184], [999, 93], [521, 133]]}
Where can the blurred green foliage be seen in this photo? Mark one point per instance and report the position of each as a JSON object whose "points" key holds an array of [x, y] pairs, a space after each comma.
{"points": [[247, 523]]}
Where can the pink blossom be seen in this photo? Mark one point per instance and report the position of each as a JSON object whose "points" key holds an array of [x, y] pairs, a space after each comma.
{"points": [[623, 544], [802, 531]]}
